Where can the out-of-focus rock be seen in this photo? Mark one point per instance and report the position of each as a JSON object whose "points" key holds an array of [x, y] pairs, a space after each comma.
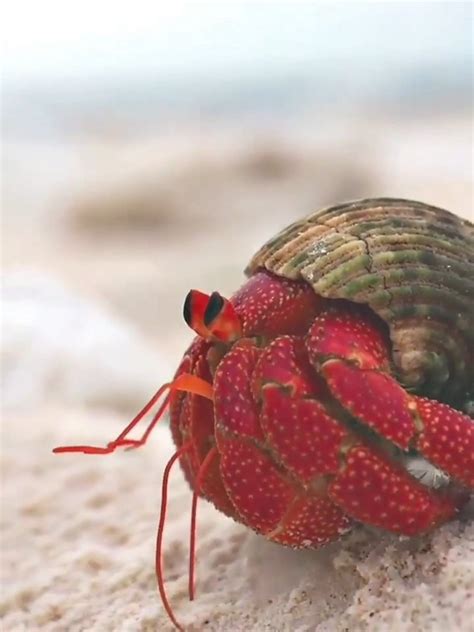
{"points": [[209, 184], [60, 348]]}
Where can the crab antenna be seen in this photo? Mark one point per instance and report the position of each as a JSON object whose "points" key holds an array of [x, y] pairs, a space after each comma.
{"points": [[159, 535], [194, 307], [221, 319], [192, 540], [184, 382]]}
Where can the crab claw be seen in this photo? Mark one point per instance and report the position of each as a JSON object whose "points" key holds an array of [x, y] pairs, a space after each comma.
{"points": [[352, 356]]}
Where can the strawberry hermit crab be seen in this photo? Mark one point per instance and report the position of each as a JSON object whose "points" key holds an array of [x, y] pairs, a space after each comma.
{"points": [[349, 348]]}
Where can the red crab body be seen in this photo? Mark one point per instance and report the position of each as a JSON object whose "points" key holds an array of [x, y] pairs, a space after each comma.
{"points": [[289, 410], [308, 425]]}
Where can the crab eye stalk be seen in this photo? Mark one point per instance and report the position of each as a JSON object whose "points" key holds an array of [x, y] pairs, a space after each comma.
{"points": [[221, 319], [211, 317]]}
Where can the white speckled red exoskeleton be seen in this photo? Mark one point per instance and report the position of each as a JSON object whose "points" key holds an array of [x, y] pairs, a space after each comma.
{"points": [[349, 347]]}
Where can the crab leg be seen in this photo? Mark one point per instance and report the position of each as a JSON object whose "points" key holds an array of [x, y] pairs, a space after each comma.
{"points": [[192, 418], [272, 502], [349, 350], [333, 462], [185, 381]]}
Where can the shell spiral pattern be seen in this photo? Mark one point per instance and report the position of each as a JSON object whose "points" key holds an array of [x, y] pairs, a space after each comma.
{"points": [[412, 264]]}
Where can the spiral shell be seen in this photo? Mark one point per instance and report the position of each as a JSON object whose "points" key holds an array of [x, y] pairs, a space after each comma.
{"points": [[412, 264]]}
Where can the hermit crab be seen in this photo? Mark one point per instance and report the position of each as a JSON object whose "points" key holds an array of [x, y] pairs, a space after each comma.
{"points": [[348, 349]]}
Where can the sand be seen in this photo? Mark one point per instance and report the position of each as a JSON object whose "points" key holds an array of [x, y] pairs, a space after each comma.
{"points": [[78, 552]]}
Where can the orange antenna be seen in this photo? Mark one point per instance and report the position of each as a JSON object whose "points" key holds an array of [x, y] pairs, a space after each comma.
{"points": [[192, 540], [184, 382]]}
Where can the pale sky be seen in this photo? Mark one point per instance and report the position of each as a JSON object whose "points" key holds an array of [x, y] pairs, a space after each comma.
{"points": [[54, 39]]}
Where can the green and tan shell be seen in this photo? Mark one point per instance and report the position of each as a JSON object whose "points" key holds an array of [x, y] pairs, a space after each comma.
{"points": [[412, 263]]}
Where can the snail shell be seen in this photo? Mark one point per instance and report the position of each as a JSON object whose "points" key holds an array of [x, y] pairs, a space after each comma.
{"points": [[412, 264]]}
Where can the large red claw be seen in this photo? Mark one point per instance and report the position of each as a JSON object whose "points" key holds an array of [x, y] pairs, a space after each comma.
{"points": [[375, 490], [351, 351], [374, 398], [355, 372]]}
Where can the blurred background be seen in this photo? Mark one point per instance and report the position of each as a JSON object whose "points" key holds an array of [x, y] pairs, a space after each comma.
{"points": [[151, 148]]}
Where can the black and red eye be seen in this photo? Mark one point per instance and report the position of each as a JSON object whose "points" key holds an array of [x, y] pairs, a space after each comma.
{"points": [[214, 308], [194, 307], [221, 319]]}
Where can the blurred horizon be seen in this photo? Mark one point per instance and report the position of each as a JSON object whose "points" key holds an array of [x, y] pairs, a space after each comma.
{"points": [[67, 68]]}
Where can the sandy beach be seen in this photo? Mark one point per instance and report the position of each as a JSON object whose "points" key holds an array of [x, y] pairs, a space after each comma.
{"points": [[79, 540]]}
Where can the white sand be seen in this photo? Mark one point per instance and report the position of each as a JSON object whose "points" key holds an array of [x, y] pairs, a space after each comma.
{"points": [[78, 552]]}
